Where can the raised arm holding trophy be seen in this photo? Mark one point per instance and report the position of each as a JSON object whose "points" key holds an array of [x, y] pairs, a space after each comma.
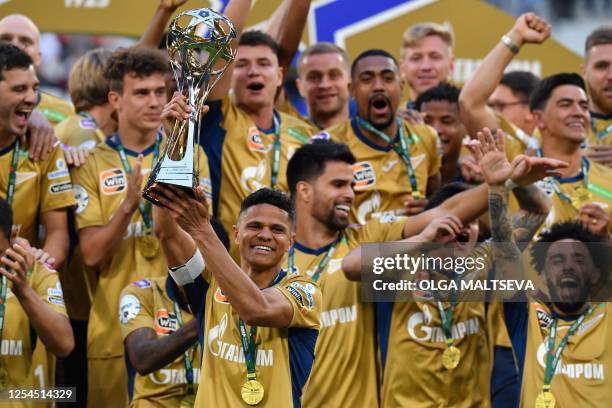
{"points": [[199, 47]]}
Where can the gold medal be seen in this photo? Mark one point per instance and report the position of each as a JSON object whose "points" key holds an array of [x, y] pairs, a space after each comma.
{"points": [[451, 357], [545, 399], [252, 392], [581, 196], [148, 245], [188, 401], [4, 376]]}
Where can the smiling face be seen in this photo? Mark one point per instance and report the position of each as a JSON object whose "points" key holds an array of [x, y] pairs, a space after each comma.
{"points": [[377, 89], [18, 97], [256, 77], [566, 114], [332, 195], [324, 82], [263, 235], [426, 64], [570, 274], [444, 117]]}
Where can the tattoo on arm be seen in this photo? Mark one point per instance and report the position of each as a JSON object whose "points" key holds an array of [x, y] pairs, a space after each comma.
{"points": [[501, 231], [524, 227], [533, 200]]}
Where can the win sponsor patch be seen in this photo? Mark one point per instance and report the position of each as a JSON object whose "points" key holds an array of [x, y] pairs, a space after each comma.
{"points": [[112, 181], [364, 175], [60, 188], [165, 322]]}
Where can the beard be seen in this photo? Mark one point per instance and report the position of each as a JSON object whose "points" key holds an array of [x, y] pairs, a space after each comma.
{"points": [[570, 306], [332, 222]]}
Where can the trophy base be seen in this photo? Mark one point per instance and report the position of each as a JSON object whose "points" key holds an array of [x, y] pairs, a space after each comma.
{"points": [[150, 191]]}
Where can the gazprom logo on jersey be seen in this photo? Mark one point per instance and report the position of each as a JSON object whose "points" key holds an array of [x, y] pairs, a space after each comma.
{"points": [[419, 327], [588, 371], [234, 352], [173, 376], [112, 181], [364, 175]]}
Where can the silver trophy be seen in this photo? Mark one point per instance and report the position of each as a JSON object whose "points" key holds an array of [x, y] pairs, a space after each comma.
{"points": [[200, 51]]}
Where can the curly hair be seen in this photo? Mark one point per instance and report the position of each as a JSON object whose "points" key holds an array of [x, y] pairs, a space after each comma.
{"points": [[138, 60], [569, 230]]}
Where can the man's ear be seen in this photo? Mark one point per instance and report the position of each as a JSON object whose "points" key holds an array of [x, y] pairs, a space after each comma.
{"points": [[114, 99], [538, 118], [235, 229], [304, 191]]}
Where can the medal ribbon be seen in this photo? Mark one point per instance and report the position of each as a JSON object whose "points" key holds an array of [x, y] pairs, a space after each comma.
{"points": [[248, 341], [3, 290], [446, 318], [143, 207], [276, 152], [402, 150], [553, 356], [322, 264], [187, 359], [12, 179]]}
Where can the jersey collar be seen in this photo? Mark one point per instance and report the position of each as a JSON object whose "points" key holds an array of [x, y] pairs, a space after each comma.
{"points": [[8, 148], [367, 141], [601, 116], [577, 177], [110, 142], [270, 131], [311, 251]]}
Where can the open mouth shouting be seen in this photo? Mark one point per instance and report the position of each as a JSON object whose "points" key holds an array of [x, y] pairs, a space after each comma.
{"points": [[22, 114], [342, 209], [380, 105], [255, 87]]}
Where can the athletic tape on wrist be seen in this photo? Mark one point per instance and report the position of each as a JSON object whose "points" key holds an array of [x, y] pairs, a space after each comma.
{"points": [[186, 274]]}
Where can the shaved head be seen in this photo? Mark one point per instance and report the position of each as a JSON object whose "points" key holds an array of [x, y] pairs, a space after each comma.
{"points": [[20, 31]]}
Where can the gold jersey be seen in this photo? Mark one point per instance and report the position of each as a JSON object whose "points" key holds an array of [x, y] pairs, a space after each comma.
{"points": [[346, 351], [413, 342], [381, 180], [284, 356], [581, 378], [55, 109], [100, 186], [18, 337], [79, 131], [241, 156], [150, 303], [40, 187]]}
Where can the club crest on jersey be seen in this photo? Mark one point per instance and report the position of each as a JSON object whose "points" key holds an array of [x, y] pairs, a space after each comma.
{"points": [[254, 140], [364, 175], [129, 307], [220, 297], [112, 181], [165, 322]]}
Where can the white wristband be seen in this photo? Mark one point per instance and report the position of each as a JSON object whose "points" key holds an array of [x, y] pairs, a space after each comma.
{"points": [[186, 274]]}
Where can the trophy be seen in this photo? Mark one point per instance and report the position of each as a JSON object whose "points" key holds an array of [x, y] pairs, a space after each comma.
{"points": [[199, 47]]}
